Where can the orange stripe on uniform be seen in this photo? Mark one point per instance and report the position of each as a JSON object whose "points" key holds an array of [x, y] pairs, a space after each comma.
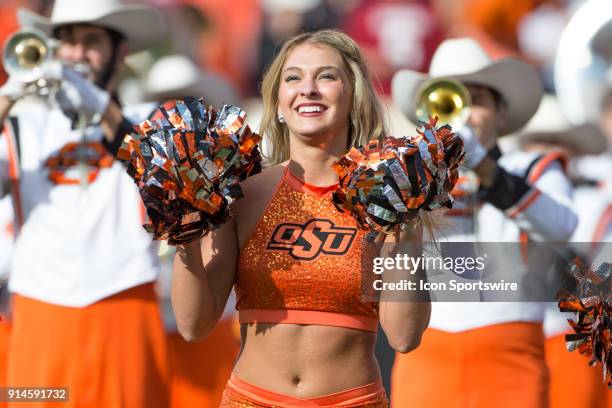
{"points": [[544, 162], [533, 176], [110, 354], [525, 203], [524, 240]]}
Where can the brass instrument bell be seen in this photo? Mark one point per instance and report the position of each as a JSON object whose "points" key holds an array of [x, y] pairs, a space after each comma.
{"points": [[446, 98], [25, 53]]}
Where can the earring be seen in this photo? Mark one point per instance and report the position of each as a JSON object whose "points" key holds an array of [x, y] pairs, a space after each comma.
{"points": [[281, 118]]}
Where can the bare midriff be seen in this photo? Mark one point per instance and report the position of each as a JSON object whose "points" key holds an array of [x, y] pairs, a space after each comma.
{"points": [[305, 361]]}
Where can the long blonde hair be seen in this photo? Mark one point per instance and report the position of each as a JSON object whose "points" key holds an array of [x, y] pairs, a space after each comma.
{"points": [[366, 120]]}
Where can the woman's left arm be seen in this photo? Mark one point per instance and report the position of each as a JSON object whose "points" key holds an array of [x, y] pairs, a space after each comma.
{"points": [[404, 315]]}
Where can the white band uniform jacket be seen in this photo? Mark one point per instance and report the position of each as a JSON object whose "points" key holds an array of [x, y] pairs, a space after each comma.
{"points": [[78, 243], [544, 213]]}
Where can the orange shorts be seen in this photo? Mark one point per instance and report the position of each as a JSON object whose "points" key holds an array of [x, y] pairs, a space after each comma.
{"points": [[573, 383], [495, 366], [242, 394], [109, 354], [200, 370]]}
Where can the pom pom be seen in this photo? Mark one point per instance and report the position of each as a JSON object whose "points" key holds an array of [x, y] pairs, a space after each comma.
{"points": [[187, 162], [385, 185], [588, 292]]}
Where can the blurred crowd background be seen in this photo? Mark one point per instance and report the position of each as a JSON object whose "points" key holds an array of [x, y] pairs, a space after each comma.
{"points": [[223, 47]]}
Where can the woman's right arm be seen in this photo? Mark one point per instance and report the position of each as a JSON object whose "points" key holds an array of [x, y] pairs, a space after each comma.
{"points": [[202, 279]]}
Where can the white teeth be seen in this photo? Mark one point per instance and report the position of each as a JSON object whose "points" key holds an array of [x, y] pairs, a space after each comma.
{"points": [[314, 108]]}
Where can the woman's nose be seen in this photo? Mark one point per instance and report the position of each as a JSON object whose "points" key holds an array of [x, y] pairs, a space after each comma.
{"points": [[309, 88]]}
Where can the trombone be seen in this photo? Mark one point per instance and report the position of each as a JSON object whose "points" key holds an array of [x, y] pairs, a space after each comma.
{"points": [[446, 98]]}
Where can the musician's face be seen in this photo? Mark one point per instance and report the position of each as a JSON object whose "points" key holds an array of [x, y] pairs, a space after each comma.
{"points": [[487, 115], [85, 44]]}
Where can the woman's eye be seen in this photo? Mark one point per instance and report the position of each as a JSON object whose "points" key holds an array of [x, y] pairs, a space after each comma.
{"points": [[291, 78], [327, 76]]}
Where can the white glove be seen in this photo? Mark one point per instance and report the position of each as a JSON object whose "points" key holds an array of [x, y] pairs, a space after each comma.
{"points": [[474, 150], [78, 94], [13, 88]]}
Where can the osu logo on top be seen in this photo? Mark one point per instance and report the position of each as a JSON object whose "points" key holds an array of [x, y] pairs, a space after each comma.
{"points": [[307, 241]]}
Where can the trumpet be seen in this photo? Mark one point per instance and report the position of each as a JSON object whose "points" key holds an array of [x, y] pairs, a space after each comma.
{"points": [[26, 55], [446, 98]]}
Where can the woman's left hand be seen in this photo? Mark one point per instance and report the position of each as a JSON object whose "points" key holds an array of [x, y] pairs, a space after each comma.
{"points": [[411, 234]]}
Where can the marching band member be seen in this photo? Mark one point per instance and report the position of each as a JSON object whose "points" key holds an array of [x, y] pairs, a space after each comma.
{"points": [[573, 383], [488, 354], [84, 313]]}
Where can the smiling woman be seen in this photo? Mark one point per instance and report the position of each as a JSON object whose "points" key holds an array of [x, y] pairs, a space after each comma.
{"points": [[314, 95], [296, 263], [308, 69]]}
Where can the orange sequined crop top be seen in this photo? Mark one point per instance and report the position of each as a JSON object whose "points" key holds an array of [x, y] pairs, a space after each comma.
{"points": [[305, 263]]}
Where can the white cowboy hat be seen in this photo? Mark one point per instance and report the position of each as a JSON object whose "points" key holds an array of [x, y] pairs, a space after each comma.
{"points": [[302, 6], [142, 26], [175, 76], [465, 60], [549, 126]]}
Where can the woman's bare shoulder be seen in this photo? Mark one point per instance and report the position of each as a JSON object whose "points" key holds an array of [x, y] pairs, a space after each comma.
{"points": [[264, 178], [258, 189]]}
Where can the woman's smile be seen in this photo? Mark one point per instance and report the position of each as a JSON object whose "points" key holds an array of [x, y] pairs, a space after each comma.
{"points": [[311, 109]]}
